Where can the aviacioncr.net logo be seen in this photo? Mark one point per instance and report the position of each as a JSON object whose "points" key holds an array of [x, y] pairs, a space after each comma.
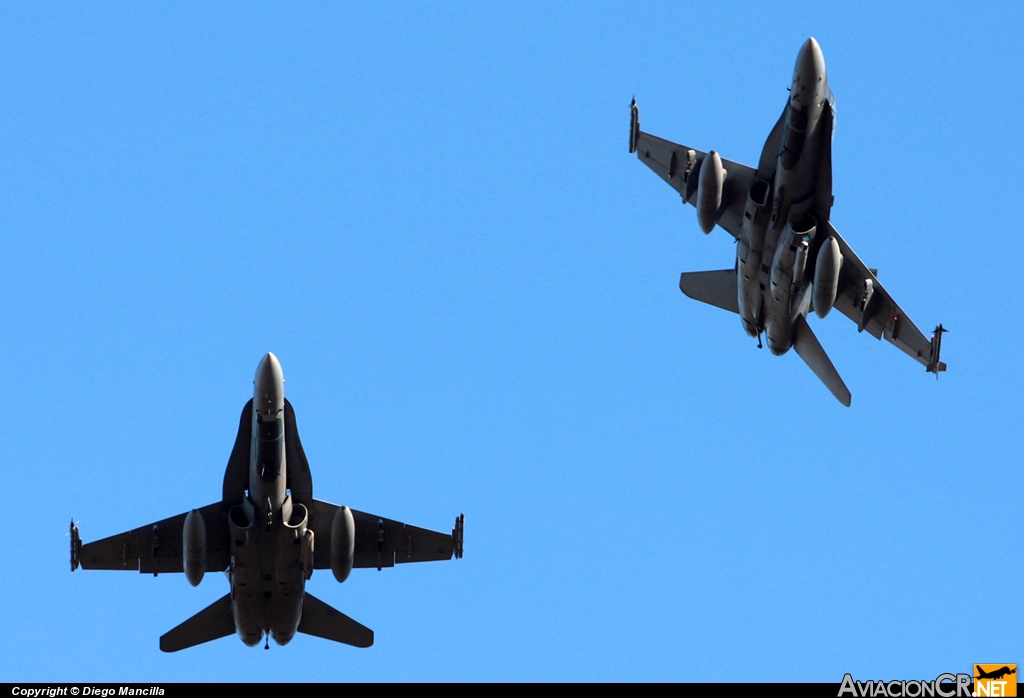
{"points": [[943, 686], [995, 680]]}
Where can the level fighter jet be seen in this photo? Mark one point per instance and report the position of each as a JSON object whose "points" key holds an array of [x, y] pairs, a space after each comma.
{"points": [[789, 258], [268, 534]]}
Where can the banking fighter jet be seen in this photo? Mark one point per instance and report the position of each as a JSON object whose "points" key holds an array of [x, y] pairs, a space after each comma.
{"points": [[268, 534], [789, 258]]}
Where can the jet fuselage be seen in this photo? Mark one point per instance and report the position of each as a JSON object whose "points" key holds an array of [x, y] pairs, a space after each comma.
{"points": [[271, 546], [786, 208]]}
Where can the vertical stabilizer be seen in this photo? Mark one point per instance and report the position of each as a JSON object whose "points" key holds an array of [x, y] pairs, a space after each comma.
{"points": [[809, 349]]}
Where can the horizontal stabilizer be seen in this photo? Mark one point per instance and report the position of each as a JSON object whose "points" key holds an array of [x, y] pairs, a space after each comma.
{"points": [[717, 288], [809, 349], [321, 620], [212, 623]]}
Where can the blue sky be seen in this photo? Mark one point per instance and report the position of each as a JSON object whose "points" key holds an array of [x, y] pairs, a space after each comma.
{"points": [[428, 212]]}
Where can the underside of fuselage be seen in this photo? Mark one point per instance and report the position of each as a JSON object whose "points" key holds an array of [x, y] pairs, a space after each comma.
{"points": [[790, 198], [271, 544], [271, 561]]}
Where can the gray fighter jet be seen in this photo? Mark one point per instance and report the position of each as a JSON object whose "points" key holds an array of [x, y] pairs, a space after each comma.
{"points": [[263, 533], [789, 258]]}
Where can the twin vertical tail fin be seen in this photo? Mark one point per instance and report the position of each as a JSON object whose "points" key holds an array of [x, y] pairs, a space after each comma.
{"points": [[810, 350], [212, 623]]}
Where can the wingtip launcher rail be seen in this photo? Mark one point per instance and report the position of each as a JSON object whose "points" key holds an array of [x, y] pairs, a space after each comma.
{"points": [[934, 365], [458, 533]]}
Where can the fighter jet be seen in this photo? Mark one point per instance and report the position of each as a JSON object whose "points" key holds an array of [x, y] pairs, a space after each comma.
{"points": [[268, 534], [789, 257]]}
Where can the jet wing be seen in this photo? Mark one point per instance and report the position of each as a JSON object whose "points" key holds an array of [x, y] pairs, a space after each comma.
{"points": [[380, 542], [865, 301], [157, 547], [679, 166]]}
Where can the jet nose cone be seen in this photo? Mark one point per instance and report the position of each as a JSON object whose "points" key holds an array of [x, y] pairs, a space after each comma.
{"points": [[809, 72], [269, 376], [810, 61]]}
